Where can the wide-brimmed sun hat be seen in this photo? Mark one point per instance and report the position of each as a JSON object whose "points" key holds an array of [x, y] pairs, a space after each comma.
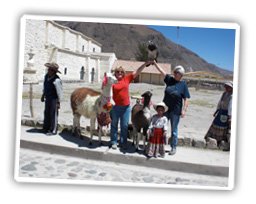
{"points": [[53, 66], [229, 83], [179, 69], [161, 104]]}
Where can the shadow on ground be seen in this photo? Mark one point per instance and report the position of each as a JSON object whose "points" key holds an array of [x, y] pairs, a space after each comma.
{"points": [[84, 141]]}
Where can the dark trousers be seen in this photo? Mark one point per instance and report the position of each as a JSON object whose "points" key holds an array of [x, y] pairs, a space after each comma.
{"points": [[51, 116]]}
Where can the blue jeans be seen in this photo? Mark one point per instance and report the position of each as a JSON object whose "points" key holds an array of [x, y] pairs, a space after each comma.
{"points": [[122, 113], [174, 121]]}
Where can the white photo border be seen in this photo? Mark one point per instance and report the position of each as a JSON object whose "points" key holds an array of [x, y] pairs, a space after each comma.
{"points": [[223, 25]]}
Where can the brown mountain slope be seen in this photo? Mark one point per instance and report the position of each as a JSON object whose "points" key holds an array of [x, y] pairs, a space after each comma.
{"points": [[123, 40]]}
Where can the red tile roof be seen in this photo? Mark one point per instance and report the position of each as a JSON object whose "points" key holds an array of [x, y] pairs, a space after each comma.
{"points": [[130, 66]]}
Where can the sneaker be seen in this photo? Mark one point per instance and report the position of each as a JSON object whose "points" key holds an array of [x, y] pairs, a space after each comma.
{"points": [[49, 133], [114, 146], [173, 151]]}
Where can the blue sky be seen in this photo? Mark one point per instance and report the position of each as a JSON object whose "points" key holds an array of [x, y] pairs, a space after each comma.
{"points": [[214, 45]]}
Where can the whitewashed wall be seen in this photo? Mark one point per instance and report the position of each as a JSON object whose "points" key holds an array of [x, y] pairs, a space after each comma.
{"points": [[54, 35], [82, 44], [70, 49], [35, 36], [94, 47], [70, 40], [72, 63]]}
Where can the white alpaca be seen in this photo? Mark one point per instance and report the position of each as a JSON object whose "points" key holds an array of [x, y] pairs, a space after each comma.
{"points": [[92, 104]]}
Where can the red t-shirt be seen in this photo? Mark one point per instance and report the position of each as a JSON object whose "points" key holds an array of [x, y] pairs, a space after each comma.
{"points": [[121, 95]]}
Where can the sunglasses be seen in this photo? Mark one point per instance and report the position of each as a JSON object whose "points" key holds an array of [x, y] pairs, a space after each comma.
{"points": [[119, 72], [177, 73]]}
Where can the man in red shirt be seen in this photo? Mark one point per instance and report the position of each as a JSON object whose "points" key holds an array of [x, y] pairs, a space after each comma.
{"points": [[122, 110]]}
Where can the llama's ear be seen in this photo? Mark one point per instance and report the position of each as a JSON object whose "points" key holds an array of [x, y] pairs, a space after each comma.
{"points": [[105, 80]]}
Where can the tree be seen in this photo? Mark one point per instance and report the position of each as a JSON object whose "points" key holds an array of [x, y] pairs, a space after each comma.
{"points": [[142, 52]]}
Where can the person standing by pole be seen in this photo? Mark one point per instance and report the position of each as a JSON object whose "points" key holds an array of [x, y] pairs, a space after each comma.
{"points": [[52, 95]]}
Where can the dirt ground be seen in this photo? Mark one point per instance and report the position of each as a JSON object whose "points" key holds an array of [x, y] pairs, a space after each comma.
{"points": [[202, 105]]}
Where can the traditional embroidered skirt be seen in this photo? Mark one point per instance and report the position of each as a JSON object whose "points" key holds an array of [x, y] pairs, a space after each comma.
{"points": [[156, 143], [219, 127]]}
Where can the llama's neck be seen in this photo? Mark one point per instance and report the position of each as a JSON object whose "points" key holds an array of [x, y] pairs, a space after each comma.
{"points": [[146, 112], [146, 109], [106, 94], [106, 91], [146, 102]]}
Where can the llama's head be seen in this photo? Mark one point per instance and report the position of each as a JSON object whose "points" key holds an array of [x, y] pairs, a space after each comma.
{"points": [[146, 98], [108, 79]]}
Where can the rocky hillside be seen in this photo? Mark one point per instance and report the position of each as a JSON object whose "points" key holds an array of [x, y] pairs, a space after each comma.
{"points": [[124, 39]]}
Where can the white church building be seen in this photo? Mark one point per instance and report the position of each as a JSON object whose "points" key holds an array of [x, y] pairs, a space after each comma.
{"points": [[79, 57]]}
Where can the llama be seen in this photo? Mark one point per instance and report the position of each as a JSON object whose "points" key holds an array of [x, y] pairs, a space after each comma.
{"points": [[92, 104], [141, 117]]}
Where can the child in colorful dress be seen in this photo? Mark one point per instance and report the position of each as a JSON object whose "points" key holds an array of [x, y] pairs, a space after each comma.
{"points": [[157, 132]]}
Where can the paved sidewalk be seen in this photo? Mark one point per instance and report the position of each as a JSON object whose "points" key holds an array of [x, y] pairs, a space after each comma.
{"points": [[187, 159]]}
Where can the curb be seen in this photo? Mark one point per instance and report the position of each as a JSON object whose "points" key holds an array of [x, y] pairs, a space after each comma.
{"points": [[182, 141]]}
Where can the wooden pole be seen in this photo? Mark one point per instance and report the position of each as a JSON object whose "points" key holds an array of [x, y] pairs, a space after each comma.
{"points": [[198, 85], [31, 99]]}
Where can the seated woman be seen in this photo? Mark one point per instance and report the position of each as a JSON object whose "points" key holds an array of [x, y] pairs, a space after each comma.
{"points": [[157, 132]]}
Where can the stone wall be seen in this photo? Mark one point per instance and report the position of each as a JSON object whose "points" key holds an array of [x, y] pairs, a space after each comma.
{"points": [[205, 83]]}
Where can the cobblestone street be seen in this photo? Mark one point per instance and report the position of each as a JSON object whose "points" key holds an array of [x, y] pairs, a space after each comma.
{"points": [[35, 164]]}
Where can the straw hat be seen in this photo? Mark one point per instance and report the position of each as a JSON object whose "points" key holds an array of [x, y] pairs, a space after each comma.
{"points": [[161, 104], [53, 66]]}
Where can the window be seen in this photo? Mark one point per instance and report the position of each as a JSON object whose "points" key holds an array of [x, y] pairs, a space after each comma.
{"points": [[82, 73]]}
